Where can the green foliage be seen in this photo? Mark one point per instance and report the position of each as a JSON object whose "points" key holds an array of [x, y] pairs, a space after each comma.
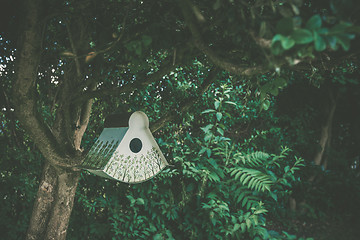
{"points": [[255, 180], [270, 88], [290, 35], [20, 167]]}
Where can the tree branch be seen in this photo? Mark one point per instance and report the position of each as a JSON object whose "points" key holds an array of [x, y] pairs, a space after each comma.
{"points": [[24, 89], [126, 88], [118, 39], [217, 60], [91, 55], [83, 121]]}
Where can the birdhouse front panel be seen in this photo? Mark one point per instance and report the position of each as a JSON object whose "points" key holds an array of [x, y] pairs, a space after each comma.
{"points": [[104, 147], [132, 156]]}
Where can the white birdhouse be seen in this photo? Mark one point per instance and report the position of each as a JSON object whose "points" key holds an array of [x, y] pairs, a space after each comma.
{"points": [[126, 150]]}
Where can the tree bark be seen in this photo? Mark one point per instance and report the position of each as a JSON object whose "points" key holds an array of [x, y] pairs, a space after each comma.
{"points": [[43, 203], [53, 204], [63, 204]]}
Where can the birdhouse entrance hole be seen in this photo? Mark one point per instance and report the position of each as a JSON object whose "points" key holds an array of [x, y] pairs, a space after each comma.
{"points": [[135, 145]]}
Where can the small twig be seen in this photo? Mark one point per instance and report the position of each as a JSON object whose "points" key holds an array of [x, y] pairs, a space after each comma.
{"points": [[118, 39], [174, 57], [77, 63]]}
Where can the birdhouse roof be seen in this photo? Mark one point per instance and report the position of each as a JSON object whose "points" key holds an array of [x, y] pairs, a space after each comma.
{"points": [[117, 120]]}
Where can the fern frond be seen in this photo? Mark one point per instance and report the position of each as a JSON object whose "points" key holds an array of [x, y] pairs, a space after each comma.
{"points": [[253, 159], [252, 178]]}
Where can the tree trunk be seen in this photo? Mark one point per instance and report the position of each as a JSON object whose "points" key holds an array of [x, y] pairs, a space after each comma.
{"points": [[62, 206], [43, 203], [320, 158], [53, 204]]}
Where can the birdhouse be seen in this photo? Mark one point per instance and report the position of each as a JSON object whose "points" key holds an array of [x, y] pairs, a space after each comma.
{"points": [[126, 150]]}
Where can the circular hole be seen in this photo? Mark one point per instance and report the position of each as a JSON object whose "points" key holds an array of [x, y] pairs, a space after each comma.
{"points": [[135, 145]]}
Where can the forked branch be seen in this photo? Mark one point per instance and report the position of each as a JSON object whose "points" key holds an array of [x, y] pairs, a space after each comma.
{"points": [[24, 89]]}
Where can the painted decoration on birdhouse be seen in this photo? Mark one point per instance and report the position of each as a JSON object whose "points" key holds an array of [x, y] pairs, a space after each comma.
{"points": [[126, 150]]}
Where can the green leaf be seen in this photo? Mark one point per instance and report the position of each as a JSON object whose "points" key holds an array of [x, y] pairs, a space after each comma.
{"points": [[277, 37], [266, 87], [266, 104], [322, 31], [207, 128], [208, 152], [306, 52], [231, 103], [274, 91], [280, 82], [302, 36], [134, 46], [332, 42], [219, 116], [208, 111], [236, 227], [287, 42], [340, 28], [243, 176], [158, 237], [213, 221], [262, 30], [221, 131], [243, 227], [213, 163], [344, 41], [276, 48], [248, 223], [208, 137], [273, 195], [203, 149], [314, 22], [217, 104], [319, 42], [248, 177], [260, 211]]}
